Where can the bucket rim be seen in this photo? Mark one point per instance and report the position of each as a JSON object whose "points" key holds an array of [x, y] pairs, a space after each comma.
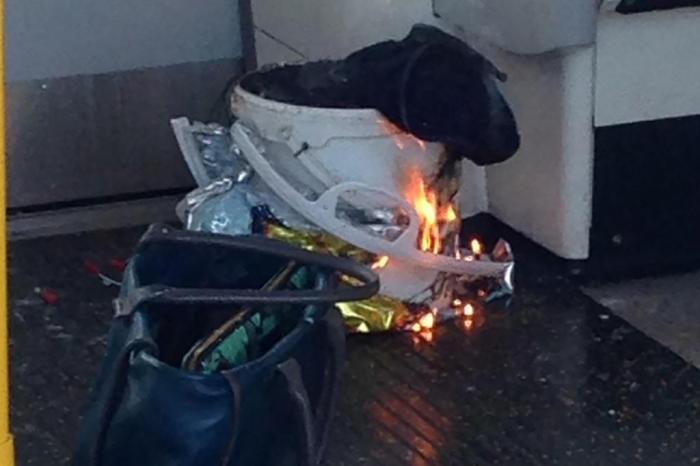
{"points": [[278, 106]]}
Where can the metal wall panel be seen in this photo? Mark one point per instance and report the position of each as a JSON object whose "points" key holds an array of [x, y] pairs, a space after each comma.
{"points": [[93, 136], [58, 38]]}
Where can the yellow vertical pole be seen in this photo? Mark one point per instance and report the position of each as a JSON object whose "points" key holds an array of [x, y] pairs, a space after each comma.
{"points": [[7, 456]]}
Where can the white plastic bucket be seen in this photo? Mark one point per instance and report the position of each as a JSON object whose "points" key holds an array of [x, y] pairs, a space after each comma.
{"points": [[342, 144], [347, 150]]}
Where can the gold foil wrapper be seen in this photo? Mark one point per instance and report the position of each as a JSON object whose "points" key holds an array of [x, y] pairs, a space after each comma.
{"points": [[377, 314], [319, 242]]}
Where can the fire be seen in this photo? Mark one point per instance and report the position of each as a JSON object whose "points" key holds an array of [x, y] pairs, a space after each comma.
{"points": [[468, 310], [448, 213], [476, 247], [425, 201], [427, 335], [382, 262], [427, 321]]}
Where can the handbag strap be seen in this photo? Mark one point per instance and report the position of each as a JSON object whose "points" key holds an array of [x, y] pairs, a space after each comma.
{"points": [[177, 297], [335, 335], [114, 390], [313, 428], [297, 398], [236, 424]]}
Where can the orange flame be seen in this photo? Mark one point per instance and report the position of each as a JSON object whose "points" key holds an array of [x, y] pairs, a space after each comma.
{"points": [[432, 216], [425, 202], [448, 213]]}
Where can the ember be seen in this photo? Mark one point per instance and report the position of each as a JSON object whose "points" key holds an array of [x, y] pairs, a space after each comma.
{"points": [[476, 247], [469, 310], [427, 321]]}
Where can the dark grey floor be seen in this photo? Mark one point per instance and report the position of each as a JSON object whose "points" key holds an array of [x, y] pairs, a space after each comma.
{"points": [[667, 309], [553, 379], [55, 350]]}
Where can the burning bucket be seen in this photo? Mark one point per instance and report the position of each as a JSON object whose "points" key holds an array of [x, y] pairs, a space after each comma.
{"points": [[353, 174], [339, 145]]}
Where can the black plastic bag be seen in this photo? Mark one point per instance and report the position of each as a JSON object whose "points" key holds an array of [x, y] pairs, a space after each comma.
{"points": [[430, 84]]}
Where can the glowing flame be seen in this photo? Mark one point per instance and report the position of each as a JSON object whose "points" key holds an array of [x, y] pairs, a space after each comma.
{"points": [[416, 328], [427, 321], [448, 213], [468, 324], [427, 335], [425, 201], [476, 247], [382, 262], [468, 310]]}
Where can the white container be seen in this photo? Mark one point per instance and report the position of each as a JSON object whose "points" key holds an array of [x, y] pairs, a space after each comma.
{"points": [[342, 144], [335, 152]]}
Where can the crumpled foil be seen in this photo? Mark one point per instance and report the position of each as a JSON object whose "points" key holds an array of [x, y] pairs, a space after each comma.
{"points": [[228, 188], [488, 289], [377, 314], [222, 207], [209, 152]]}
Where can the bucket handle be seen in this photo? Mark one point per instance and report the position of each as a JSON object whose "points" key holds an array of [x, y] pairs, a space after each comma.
{"points": [[322, 213]]}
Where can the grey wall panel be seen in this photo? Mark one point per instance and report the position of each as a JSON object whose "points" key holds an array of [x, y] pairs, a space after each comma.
{"points": [[56, 38], [92, 136]]}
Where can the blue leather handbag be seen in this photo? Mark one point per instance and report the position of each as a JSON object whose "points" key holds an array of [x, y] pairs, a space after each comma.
{"points": [[270, 403]]}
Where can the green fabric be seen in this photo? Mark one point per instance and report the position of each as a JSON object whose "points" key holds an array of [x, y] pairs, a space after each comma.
{"points": [[248, 341], [256, 334], [300, 279], [230, 352]]}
